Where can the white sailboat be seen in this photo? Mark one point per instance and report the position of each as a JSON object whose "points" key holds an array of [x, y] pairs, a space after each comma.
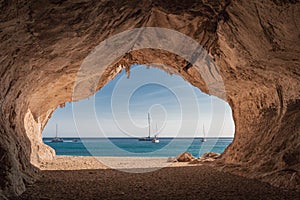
{"points": [[147, 138], [56, 138], [203, 139], [155, 139]]}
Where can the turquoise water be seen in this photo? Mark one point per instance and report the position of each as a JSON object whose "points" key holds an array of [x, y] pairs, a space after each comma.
{"points": [[132, 147]]}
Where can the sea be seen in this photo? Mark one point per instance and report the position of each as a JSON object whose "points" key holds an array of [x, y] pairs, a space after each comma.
{"points": [[132, 147]]}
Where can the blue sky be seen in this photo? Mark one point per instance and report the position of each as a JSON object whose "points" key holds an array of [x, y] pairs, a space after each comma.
{"points": [[120, 109]]}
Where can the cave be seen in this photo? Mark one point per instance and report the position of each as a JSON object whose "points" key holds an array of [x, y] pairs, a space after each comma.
{"points": [[255, 46]]}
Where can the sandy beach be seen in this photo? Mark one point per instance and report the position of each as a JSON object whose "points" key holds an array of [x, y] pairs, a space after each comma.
{"points": [[85, 178], [126, 164]]}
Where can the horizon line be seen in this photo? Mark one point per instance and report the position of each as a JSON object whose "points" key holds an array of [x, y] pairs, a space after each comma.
{"points": [[132, 137]]}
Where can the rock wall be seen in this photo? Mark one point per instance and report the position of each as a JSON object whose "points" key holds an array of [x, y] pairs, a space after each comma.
{"points": [[263, 45], [255, 44]]}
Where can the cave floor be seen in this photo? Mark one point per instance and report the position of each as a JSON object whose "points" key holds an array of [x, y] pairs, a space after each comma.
{"points": [[195, 182]]}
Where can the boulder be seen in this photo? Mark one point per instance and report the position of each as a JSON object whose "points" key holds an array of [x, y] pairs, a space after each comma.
{"points": [[211, 155], [185, 157]]}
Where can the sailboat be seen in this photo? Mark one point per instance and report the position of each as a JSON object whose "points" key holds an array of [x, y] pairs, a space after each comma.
{"points": [[147, 138], [203, 139], [155, 140], [56, 138]]}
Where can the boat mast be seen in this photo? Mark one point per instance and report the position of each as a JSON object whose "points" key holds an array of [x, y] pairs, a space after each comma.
{"points": [[156, 131], [149, 124], [56, 131], [203, 132]]}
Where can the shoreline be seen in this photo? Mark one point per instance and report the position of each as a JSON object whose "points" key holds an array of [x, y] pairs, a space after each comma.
{"points": [[109, 162]]}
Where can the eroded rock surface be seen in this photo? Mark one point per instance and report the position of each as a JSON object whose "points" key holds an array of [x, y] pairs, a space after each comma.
{"points": [[255, 44], [185, 157]]}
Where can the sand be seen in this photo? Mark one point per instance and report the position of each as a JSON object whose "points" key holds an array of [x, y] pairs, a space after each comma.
{"points": [[128, 164], [86, 178]]}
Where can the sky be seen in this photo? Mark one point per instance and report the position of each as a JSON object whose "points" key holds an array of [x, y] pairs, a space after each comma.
{"points": [[121, 107]]}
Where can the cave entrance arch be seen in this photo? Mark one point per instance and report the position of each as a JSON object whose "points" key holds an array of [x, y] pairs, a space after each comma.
{"points": [[157, 104], [119, 52]]}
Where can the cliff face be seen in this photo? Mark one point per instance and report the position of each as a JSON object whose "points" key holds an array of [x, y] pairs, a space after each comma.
{"points": [[255, 45]]}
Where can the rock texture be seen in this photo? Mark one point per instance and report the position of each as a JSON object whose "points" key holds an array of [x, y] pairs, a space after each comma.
{"points": [[255, 44], [206, 157], [185, 157]]}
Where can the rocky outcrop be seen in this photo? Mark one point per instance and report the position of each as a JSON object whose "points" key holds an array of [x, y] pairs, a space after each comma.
{"points": [[185, 157], [206, 157], [212, 155], [255, 44]]}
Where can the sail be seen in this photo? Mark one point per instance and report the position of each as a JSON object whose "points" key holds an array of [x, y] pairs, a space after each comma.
{"points": [[56, 130], [149, 125]]}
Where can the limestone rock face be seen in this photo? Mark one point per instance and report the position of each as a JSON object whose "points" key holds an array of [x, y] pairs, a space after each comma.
{"points": [[255, 44]]}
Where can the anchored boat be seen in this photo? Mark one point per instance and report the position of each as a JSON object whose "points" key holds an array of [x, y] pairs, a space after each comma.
{"points": [[147, 138], [56, 138]]}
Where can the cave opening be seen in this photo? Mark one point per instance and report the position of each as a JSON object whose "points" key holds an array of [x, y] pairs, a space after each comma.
{"points": [[130, 107], [247, 41]]}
